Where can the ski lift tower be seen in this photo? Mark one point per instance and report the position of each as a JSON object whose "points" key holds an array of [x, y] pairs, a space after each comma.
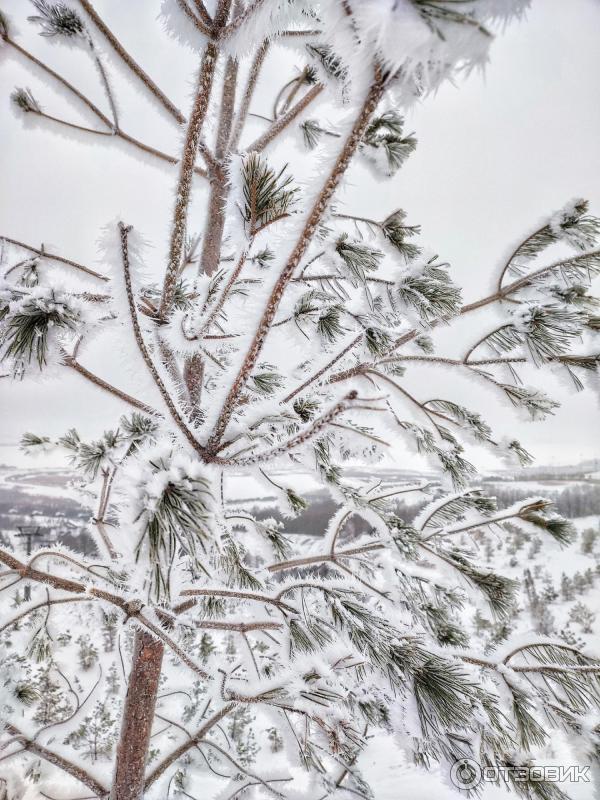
{"points": [[33, 533]]}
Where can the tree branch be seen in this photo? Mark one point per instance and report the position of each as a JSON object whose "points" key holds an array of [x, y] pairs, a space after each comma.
{"points": [[184, 185], [286, 119], [238, 627], [203, 27], [240, 20], [177, 418], [65, 83], [220, 302], [56, 760], [203, 12], [296, 563], [314, 218], [219, 187], [558, 645], [59, 259], [244, 108], [45, 604], [71, 362], [117, 133], [510, 259], [323, 370], [161, 768], [170, 107], [259, 598], [300, 438]]}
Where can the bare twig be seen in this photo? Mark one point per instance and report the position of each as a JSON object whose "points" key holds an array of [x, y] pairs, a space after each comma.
{"points": [[240, 19], [319, 374], [296, 441], [176, 754], [59, 259], [31, 609], [69, 361], [170, 107], [284, 120], [65, 83], [310, 561], [244, 108], [118, 133], [206, 29]]}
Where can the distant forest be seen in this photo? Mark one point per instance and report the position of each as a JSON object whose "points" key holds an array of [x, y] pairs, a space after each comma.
{"points": [[69, 518], [571, 500]]}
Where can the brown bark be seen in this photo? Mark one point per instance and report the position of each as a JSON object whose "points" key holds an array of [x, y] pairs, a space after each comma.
{"points": [[215, 222], [219, 188], [138, 717], [215, 216], [184, 186], [193, 376], [190, 148]]}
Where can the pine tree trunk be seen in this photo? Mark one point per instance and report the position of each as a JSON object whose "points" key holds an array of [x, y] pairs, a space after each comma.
{"points": [[138, 716]]}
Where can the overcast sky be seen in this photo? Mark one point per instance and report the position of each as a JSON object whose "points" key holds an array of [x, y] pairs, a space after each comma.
{"points": [[496, 152]]}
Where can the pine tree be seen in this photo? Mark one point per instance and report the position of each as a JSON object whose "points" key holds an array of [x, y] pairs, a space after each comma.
{"points": [[87, 652], [566, 587], [242, 734], [583, 616], [282, 333], [589, 537], [96, 735], [53, 704]]}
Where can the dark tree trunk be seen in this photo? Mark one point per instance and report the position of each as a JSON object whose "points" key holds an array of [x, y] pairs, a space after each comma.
{"points": [[138, 717]]}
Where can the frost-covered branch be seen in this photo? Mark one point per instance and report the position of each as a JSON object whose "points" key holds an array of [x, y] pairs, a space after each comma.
{"points": [[44, 255], [282, 122], [186, 171], [74, 770], [139, 338], [71, 362], [130, 62], [183, 748], [117, 133]]}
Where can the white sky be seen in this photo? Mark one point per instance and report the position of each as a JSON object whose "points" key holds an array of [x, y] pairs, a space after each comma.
{"points": [[495, 153]]}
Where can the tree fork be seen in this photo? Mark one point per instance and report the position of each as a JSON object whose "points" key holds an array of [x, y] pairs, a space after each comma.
{"points": [[138, 718], [341, 164]]}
